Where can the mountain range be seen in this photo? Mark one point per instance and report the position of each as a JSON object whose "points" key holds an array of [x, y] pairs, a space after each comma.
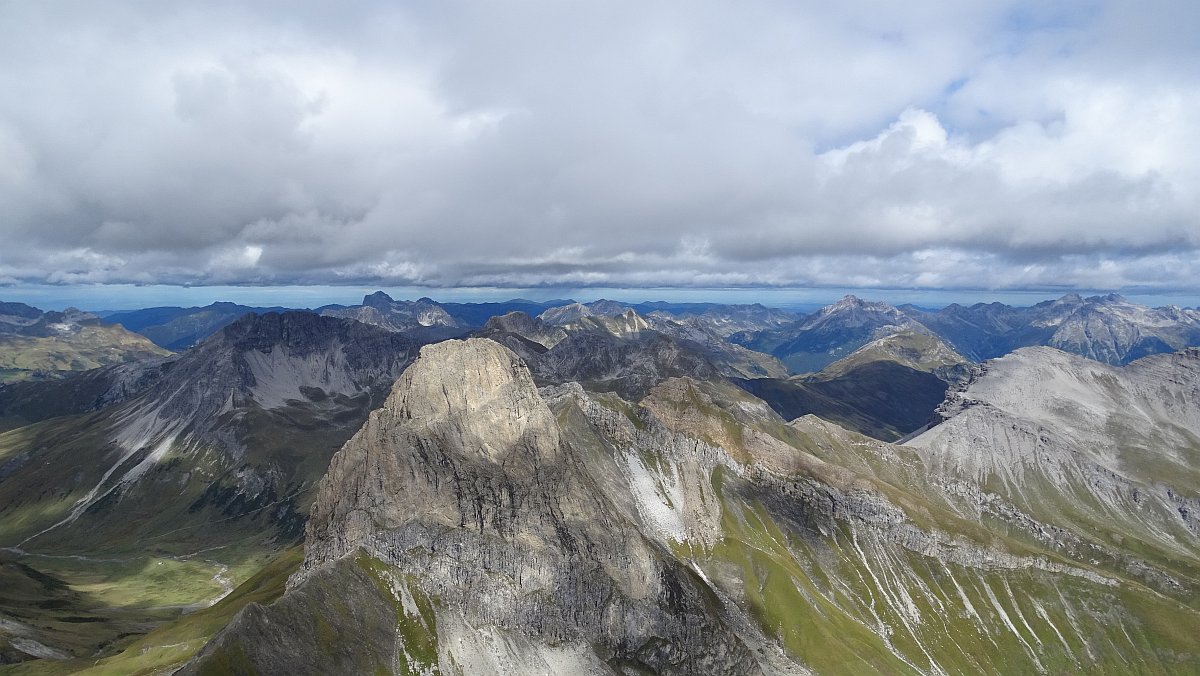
{"points": [[1106, 328], [177, 328], [478, 525], [42, 345], [613, 488]]}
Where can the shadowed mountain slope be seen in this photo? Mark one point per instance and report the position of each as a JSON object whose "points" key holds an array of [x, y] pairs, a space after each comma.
{"points": [[831, 333], [1105, 328], [881, 399], [178, 328], [250, 417]]}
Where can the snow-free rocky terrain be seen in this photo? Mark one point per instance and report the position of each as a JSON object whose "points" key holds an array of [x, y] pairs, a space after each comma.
{"points": [[478, 524]]}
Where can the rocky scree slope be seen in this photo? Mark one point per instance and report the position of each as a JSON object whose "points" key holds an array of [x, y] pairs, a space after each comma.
{"points": [[1105, 460], [478, 525]]}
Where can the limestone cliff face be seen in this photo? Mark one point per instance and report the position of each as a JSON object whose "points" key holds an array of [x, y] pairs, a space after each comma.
{"points": [[461, 480], [464, 412]]}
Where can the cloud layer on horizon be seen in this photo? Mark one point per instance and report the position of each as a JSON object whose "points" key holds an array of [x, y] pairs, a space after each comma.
{"points": [[982, 145]]}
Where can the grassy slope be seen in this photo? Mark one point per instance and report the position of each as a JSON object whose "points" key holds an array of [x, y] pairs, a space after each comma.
{"points": [[172, 644], [90, 347], [849, 604], [347, 618], [846, 600], [152, 547], [919, 351]]}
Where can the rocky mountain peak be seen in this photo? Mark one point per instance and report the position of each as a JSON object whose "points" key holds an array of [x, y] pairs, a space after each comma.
{"points": [[854, 311], [608, 308], [513, 322], [477, 398], [463, 427], [379, 299], [565, 314], [851, 305], [19, 310], [382, 310], [461, 490], [849, 301]]}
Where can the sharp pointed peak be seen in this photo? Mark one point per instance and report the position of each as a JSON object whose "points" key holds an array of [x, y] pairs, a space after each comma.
{"points": [[379, 294]]}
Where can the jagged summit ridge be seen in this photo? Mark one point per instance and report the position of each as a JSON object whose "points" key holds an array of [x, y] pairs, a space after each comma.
{"points": [[382, 310], [1106, 328]]}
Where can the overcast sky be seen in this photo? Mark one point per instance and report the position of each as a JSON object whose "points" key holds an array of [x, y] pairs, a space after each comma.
{"points": [[923, 144]]}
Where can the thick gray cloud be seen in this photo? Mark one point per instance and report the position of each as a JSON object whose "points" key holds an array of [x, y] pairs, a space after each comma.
{"points": [[929, 144]]}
